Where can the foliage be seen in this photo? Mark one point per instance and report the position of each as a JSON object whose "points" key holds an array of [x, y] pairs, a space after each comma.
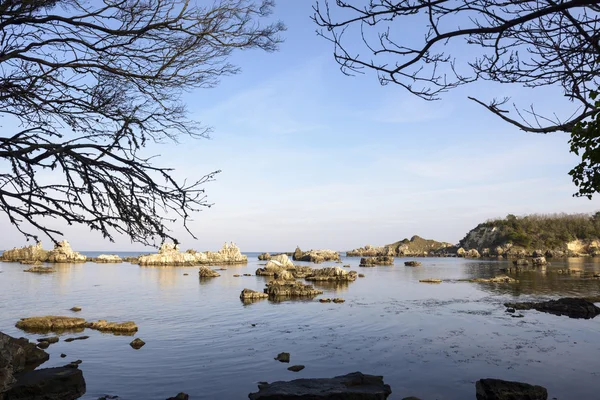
{"points": [[585, 141], [86, 85], [551, 231]]}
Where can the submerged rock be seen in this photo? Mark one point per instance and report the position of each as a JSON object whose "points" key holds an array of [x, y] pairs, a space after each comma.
{"points": [[430, 280], [180, 396], [496, 279], [296, 368], [281, 288], [72, 339], [40, 269], [412, 264], [570, 306], [206, 272], [248, 294], [373, 261], [62, 383], [50, 323], [115, 327], [354, 386], [497, 389], [332, 274], [283, 357]]}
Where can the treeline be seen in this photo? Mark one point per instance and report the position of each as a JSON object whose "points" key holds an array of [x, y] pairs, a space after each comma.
{"points": [[549, 231]]}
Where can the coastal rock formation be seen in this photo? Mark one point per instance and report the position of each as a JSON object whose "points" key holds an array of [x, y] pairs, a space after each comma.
{"points": [[413, 247], [115, 327], [472, 254], [62, 253], [284, 288], [373, 261], [206, 272], [248, 294], [355, 386], [372, 251], [50, 323], [332, 274], [169, 255], [40, 269], [316, 256], [108, 259], [264, 257], [497, 389], [412, 264], [570, 306], [460, 252]]}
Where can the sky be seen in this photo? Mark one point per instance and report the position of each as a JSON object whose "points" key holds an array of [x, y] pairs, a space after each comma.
{"points": [[313, 158]]}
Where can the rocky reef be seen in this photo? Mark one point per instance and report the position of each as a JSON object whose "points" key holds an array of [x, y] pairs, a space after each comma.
{"points": [[373, 261], [316, 256], [570, 306], [335, 274], [62, 253], [497, 389], [52, 323], [290, 288], [169, 255]]}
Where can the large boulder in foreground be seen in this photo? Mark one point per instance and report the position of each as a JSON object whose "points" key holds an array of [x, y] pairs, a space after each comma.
{"points": [[335, 274], [316, 256], [62, 383], [354, 386], [570, 306], [497, 389], [17, 355], [50, 323], [373, 261]]}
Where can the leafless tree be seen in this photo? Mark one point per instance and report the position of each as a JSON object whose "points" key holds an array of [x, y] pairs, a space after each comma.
{"points": [[86, 84], [419, 45]]}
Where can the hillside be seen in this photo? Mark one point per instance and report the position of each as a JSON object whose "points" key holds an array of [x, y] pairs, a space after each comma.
{"points": [[415, 246], [569, 233]]}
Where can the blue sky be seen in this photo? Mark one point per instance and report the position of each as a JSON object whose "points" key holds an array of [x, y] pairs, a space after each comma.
{"points": [[314, 158]]}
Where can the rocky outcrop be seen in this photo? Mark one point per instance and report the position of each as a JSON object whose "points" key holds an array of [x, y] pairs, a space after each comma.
{"points": [[280, 263], [373, 261], [114, 327], [50, 323], [413, 247], [412, 264], [264, 257], [497, 389], [316, 256], [335, 274], [17, 355], [62, 253], [570, 306], [169, 255], [248, 294], [206, 272], [286, 288], [108, 259], [40, 269], [371, 251], [472, 254], [354, 386]]}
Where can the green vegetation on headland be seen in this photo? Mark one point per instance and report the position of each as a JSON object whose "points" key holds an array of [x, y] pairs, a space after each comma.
{"points": [[556, 232]]}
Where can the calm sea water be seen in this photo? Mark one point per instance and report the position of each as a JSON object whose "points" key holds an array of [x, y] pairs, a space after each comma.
{"points": [[430, 341]]}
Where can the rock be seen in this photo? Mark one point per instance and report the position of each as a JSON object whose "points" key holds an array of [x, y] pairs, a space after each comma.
{"points": [[346, 265], [338, 300], [115, 327], [108, 397], [520, 261], [31, 254], [108, 259], [62, 253], [496, 389], [264, 257], [180, 396], [40, 269], [62, 383], [472, 254], [31, 262], [460, 252], [361, 275], [539, 261], [169, 255], [570, 306], [206, 272], [281, 288], [284, 275], [51, 339], [236, 275], [332, 274], [73, 364], [371, 251], [72, 339], [283, 357], [412, 264], [137, 343], [251, 294], [510, 310], [247, 274], [75, 309], [270, 269], [62, 355], [496, 279], [283, 260], [296, 368], [316, 256], [43, 345], [373, 261], [430, 280], [50, 324], [355, 386], [325, 300]]}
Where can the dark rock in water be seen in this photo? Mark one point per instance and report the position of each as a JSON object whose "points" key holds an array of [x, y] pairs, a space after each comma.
{"points": [[180, 396], [20, 354], [338, 300], [497, 389], [361, 275], [296, 368], [51, 339], [62, 355], [108, 397], [43, 345], [137, 343], [60, 383], [71, 339], [412, 264], [325, 300], [75, 309], [510, 310], [570, 306], [283, 357], [354, 386]]}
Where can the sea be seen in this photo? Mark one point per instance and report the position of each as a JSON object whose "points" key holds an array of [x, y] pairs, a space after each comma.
{"points": [[432, 341]]}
